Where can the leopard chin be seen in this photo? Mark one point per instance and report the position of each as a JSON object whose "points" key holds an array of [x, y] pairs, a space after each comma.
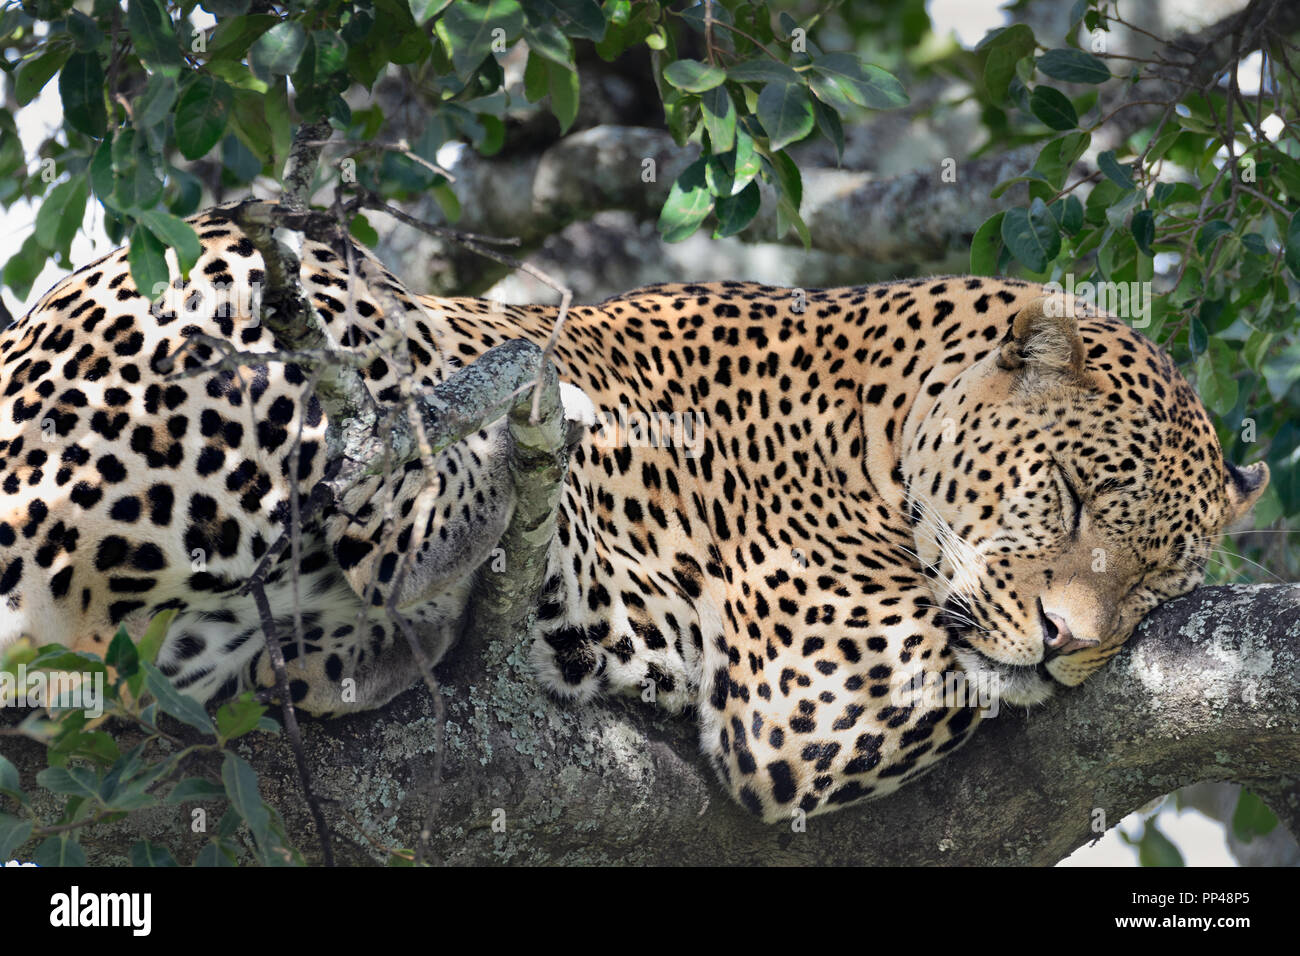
{"points": [[1019, 685]]}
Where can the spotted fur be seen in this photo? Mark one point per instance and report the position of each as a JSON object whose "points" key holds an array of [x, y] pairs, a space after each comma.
{"points": [[886, 487]]}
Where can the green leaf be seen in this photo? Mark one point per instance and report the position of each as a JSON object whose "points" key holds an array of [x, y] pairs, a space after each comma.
{"points": [[787, 218], [362, 231], [132, 797], [170, 700], [194, 788], [785, 175], [863, 84], [1033, 176], [154, 35], [1058, 156], [548, 41], [719, 119], [24, 266], [787, 178], [135, 184], [61, 214], [1255, 244], [60, 850], [37, 71], [1073, 66], [232, 38], [202, 115], [537, 77], [154, 635], [94, 745], [762, 70], [148, 263], [1032, 235], [1252, 818], [1210, 233], [985, 246], [583, 19], [1144, 230], [238, 717], [10, 782], [1155, 849], [84, 31], [1116, 173], [467, 30], [241, 788], [155, 104], [176, 234], [14, 832], [736, 212], [563, 87], [81, 87], [331, 53], [58, 658], [692, 76], [145, 853], [214, 854], [122, 655], [828, 121], [1005, 49], [786, 112], [226, 8], [1000, 35], [1215, 382], [425, 10], [1071, 214], [278, 50], [728, 173], [74, 781], [447, 200], [1292, 252], [689, 204], [1053, 108]]}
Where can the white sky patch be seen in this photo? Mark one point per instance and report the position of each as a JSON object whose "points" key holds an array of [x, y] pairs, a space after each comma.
{"points": [[969, 20], [1198, 838], [36, 122]]}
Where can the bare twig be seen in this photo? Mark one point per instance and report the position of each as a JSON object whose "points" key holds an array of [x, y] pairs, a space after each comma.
{"points": [[300, 169], [276, 654]]}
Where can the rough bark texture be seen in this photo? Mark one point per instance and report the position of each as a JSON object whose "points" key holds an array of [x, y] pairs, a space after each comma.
{"points": [[1204, 691]]}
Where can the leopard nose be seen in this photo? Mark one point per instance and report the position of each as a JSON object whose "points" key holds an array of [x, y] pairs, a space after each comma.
{"points": [[1056, 633], [1057, 636]]}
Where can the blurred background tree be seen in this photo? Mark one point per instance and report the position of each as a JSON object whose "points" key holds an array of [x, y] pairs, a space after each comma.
{"points": [[798, 143]]}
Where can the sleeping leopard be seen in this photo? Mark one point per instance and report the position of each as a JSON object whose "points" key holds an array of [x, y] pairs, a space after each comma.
{"points": [[871, 491]]}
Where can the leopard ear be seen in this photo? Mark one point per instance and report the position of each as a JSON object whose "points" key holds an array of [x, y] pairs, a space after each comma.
{"points": [[1044, 342], [1243, 487]]}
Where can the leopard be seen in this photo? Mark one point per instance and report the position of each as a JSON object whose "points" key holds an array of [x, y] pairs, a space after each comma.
{"points": [[840, 527]]}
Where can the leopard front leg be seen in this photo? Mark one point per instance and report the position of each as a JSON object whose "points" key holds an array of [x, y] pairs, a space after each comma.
{"points": [[405, 540], [423, 543]]}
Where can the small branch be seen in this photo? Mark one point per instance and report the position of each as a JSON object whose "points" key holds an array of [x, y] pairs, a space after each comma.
{"points": [[276, 653], [401, 147], [304, 157]]}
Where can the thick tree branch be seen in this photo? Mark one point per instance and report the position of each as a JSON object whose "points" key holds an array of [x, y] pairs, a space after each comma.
{"points": [[848, 212], [1205, 691]]}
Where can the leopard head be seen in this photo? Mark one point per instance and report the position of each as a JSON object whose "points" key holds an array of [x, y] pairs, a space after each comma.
{"points": [[1060, 488]]}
